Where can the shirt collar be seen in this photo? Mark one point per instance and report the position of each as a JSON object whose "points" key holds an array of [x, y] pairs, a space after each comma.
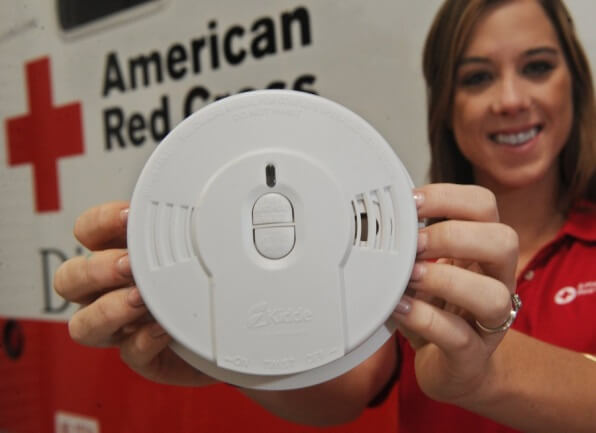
{"points": [[581, 222]]}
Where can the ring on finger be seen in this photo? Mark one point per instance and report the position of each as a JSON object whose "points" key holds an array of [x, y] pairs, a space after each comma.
{"points": [[516, 305]]}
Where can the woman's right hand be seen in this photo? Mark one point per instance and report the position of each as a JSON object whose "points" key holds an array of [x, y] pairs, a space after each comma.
{"points": [[464, 275], [112, 311]]}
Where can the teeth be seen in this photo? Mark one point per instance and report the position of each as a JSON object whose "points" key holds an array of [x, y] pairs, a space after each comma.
{"points": [[516, 139]]}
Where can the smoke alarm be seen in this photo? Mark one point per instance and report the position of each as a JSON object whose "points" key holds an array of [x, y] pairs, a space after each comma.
{"points": [[271, 234]]}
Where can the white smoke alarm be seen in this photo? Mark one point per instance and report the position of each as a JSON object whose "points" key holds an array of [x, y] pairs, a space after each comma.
{"points": [[271, 234]]}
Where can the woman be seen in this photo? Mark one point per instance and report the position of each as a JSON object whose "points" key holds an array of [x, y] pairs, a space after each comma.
{"points": [[511, 108]]}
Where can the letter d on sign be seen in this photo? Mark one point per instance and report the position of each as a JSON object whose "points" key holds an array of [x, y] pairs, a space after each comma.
{"points": [[48, 277]]}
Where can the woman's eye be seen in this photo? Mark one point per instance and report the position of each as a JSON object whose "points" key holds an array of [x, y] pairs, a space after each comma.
{"points": [[474, 79], [538, 68]]}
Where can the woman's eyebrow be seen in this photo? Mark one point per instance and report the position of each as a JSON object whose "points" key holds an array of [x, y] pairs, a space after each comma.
{"points": [[531, 52], [541, 50], [473, 60]]}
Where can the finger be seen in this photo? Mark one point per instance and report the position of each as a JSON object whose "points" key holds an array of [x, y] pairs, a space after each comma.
{"points": [[133, 327], [147, 353], [415, 340], [144, 345], [98, 323], [103, 226], [493, 245], [488, 300], [81, 279], [424, 322], [466, 202]]}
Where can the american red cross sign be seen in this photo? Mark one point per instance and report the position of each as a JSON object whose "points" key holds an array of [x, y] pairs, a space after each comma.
{"points": [[44, 135]]}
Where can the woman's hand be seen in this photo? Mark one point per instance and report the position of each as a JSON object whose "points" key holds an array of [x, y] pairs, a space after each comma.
{"points": [[112, 312], [465, 271]]}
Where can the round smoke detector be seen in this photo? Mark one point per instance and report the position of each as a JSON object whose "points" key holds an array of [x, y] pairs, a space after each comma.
{"points": [[271, 234]]}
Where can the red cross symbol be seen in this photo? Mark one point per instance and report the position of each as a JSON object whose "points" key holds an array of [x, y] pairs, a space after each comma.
{"points": [[44, 135]]}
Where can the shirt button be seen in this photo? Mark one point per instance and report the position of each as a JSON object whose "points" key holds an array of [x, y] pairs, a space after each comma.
{"points": [[529, 275]]}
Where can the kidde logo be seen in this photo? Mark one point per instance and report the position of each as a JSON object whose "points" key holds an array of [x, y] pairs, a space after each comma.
{"points": [[44, 135], [262, 315]]}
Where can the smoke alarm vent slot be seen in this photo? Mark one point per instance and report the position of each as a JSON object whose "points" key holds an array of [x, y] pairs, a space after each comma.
{"points": [[165, 240], [374, 219], [390, 225], [180, 227], [359, 212], [151, 235], [168, 230]]}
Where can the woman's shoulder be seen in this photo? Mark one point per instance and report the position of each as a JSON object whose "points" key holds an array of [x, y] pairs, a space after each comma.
{"points": [[581, 221]]}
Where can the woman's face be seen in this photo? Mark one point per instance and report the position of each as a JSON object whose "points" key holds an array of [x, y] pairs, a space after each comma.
{"points": [[513, 107]]}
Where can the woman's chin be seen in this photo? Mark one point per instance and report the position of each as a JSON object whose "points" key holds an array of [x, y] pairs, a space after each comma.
{"points": [[512, 179]]}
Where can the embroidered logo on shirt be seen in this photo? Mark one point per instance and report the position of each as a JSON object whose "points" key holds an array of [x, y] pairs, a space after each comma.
{"points": [[568, 294]]}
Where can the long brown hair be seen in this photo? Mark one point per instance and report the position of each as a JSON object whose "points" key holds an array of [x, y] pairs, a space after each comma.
{"points": [[446, 42]]}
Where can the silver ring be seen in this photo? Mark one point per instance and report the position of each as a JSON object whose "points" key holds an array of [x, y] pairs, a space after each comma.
{"points": [[516, 304]]}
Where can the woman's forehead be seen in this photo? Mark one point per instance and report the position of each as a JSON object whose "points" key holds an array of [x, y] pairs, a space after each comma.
{"points": [[511, 27]]}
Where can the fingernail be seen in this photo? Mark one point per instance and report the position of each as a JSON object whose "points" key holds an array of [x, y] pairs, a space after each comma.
{"points": [[422, 241], [404, 306], [156, 330], [134, 298], [124, 216], [418, 199], [123, 265], [418, 271]]}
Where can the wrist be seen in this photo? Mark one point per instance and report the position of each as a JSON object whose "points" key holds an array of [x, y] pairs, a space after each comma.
{"points": [[492, 389]]}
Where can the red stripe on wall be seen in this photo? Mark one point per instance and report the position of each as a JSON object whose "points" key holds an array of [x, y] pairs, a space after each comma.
{"points": [[55, 374]]}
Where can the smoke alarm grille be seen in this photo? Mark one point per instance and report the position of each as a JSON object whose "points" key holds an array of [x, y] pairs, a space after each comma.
{"points": [[374, 218], [168, 229]]}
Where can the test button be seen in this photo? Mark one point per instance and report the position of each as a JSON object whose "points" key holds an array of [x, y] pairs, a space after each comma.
{"points": [[273, 226], [272, 208]]}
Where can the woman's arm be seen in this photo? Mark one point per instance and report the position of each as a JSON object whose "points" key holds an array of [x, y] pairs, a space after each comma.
{"points": [[538, 387], [337, 401], [509, 377]]}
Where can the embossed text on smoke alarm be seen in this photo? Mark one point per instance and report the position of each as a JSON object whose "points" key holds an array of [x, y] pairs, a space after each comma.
{"points": [[263, 315]]}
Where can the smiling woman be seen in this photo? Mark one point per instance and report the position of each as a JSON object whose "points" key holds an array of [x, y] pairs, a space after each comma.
{"points": [[549, 55], [513, 109], [518, 112]]}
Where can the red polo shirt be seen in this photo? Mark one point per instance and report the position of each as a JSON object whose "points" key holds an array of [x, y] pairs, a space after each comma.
{"points": [[558, 291]]}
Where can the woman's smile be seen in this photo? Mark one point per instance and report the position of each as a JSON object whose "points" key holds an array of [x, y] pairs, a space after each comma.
{"points": [[516, 137]]}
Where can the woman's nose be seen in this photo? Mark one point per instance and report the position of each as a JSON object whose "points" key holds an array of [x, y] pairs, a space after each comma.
{"points": [[510, 96]]}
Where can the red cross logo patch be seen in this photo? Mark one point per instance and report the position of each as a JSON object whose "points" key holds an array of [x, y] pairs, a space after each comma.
{"points": [[44, 135]]}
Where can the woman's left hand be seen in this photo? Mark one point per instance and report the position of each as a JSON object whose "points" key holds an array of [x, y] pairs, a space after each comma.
{"points": [[465, 272]]}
